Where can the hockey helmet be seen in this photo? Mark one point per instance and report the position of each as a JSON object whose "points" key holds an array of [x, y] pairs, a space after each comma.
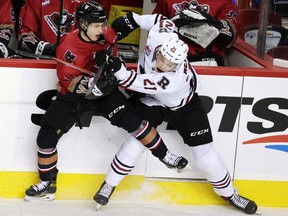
{"points": [[91, 12], [174, 50]]}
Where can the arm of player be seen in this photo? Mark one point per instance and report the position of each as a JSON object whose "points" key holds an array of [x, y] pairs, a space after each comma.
{"points": [[30, 31], [230, 24], [6, 33], [129, 22], [155, 83], [30, 43]]}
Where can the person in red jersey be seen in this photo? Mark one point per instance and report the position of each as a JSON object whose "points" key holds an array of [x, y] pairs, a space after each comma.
{"points": [[40, 21], [7, 25], [85, 46], [223, 11]]}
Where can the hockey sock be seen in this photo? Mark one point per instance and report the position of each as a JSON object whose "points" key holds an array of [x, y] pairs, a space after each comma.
{"points": [[124, 160], [208, 160], [47, 163], [151, 139]]}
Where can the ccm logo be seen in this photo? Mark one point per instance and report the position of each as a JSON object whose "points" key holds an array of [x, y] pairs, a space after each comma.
{"points": [[116, 110], [197, 133]]}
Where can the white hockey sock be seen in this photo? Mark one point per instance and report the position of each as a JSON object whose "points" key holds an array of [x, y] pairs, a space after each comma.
{"points": [[124, 160], [208, 160]]}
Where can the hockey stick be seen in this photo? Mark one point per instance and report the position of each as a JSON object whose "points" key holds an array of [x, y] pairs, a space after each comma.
{"points": [[46, 57], [89, 94], [59, 27]]}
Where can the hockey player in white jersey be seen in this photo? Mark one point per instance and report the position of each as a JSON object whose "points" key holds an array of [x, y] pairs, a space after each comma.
{"points": [[169, 84]]}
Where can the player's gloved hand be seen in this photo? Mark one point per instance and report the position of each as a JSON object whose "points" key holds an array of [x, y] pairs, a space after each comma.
{"points": [[101, 56], [49, 49], [106, 84], [114, 64], [81, 87], [6, 52], [228, 34], [124, 25]]}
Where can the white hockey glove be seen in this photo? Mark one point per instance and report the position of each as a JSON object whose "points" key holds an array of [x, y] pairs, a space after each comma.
{"points": [[197, 26]]}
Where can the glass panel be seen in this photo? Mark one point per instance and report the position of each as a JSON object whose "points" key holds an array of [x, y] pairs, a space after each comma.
{"points": [[272, 37]]}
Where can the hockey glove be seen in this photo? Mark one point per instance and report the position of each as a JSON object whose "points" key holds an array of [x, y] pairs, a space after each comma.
{"points": [[6, 52], [228, 34], [197, 26], [113, 64], [80, 85], [33, 44], [106, 84], [5, 36], [49, 49], [101, 56], [124, 25]]}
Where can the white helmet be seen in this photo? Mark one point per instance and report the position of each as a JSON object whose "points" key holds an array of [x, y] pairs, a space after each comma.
{"points": [[174, 50]]}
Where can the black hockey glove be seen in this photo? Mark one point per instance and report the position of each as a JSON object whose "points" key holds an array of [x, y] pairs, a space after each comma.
{"points": [[81, 85], [33, 44], [105, 85], [101, 56], [6, 52], [5, 36], [227, 36], [124, 25], [49, 49], [112, 63]]}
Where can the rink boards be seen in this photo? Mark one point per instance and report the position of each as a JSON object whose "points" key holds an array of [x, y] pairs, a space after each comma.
{"points": [[248, 111]]}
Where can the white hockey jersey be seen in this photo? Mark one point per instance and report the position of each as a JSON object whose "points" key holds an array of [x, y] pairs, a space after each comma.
{"points": [[168, 89]]}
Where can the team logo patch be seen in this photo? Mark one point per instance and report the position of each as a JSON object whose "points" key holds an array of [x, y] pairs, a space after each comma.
{"points": [[192, 5], [69, 56], [54, 20]]}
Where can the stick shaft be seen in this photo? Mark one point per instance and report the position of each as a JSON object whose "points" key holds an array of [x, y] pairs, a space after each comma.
{"points": [[59, 27], [46, 57]]}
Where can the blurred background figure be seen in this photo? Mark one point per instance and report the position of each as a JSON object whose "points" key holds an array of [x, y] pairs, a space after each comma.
{"points": [[43, 23], [8, 40], [223, 11]]}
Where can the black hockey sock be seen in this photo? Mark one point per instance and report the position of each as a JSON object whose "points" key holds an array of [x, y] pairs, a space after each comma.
{"points": [[157, 147]]}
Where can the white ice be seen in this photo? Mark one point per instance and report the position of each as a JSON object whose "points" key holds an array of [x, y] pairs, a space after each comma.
{"points": [[18, 207]]}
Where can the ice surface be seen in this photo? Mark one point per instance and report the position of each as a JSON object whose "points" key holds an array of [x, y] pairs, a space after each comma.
{"points": [[18, 207]]}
